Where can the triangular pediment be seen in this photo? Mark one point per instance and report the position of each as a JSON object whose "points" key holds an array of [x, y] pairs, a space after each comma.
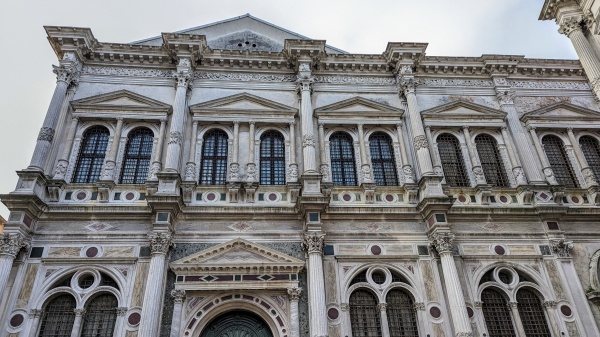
{"points": [[462, 110], [243, 103], [238, 256], [122, 100], [357, 106], [562, 112]]}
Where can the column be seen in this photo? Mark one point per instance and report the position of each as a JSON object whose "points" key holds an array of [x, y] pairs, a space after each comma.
{"points": [[178, 117], [324, 169], [385, 329], [437, 162], [293, 169], [516, 168], [160, 243], [64, 76], [313, 244], [120, 322], [234, 167], [108, 173], [542, 155], [60, 172], [477, 170], [10, 245], [514, 309], [407, 84], [550, 309], [34, 315], [442, 242], [190, 166], [364, 159], [178, 297], [76, 331], [294, 297], [586, 171], [251, 166], [157, 159], [306, 119]]}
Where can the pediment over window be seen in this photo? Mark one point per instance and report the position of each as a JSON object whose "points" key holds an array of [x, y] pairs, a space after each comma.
{"points": [[238, 257], [349, 110], [122, 102], [243, 105], [556, 114], [461, 112]]}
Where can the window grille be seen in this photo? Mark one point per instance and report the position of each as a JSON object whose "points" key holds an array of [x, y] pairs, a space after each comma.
{"points": [[59, 317], [382, 158], [214, 158], [532, 314], [401, 314], [91, 155], [496, 314], [138, 154], [272, 158], [361, 277], [108, 281], [491, 162], [364, 315], [343, 167], [555, 152], [100, 317], [452, 161], [591, 151]]}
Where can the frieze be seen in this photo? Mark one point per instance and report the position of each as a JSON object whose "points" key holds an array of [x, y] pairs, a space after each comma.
{"points": [[46, 134], [244, 77], [549, 85], [443, 82], [117, 71], [355, 80]]}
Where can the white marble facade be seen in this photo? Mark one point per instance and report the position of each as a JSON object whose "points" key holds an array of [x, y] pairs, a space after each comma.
{"points": [[176, 253]]}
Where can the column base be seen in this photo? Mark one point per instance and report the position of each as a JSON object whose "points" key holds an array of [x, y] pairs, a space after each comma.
{"points": [[104, 187], [168, 183], [431, 187]]}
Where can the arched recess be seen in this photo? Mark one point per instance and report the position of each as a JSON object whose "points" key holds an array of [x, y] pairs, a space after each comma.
{"points": [[401, 313], [59, 316], [101, 316], [365, 318], [237, 323], [496, 313]]}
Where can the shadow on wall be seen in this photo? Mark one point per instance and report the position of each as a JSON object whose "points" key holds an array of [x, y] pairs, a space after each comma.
{"points": [[2, 222]]}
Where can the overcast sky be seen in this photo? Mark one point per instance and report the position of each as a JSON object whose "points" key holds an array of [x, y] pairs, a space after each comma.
{"points": [[452, 28]]}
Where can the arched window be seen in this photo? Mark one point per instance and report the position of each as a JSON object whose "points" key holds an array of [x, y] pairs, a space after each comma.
{"points": [[59, 316], [532, 314], [214, 158], [364, 315], [555, 152], [138, 153], [91, 155], [496, 314], [343, 169], [591, 151], [382, 158], [100, 316], [452, 161], [272, 158], [491, 162], [401, 315]]}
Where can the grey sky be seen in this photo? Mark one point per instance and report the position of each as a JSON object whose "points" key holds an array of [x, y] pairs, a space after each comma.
{"points": [[451, 27]]}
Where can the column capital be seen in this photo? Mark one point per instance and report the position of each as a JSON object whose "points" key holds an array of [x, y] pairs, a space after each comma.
{"points": [[405, 79], [79, 312], [313, 242], [442, 242], [569, 129], [11, 244], [183, 79], [178, 295], [569, 25], [419, 306], [292, 123], [304, 84], [550, 304], [160, 243], [65, 74], [35, 313], [512, 305], [121, 311], [345, 307], [465, 128], [530, 128], [294, 294], [505, 96], [478, 304], [399, 125], [46, 134], [504, 128], [119, 119], [252, 123], [420, 142], [562, 247], [382, 306]]}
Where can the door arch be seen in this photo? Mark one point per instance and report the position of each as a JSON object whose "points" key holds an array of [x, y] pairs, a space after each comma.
{"points": [[237, 323]]}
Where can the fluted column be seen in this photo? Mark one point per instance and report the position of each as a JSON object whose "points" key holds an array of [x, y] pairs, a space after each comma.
{"points": [[364, 159], [178, 298], [324, 169], [157, 158], [76, 331], [10, 245], [546, 168], [64, 76], [183, 78], [477, 170], [409, 174], [437, 162], [586, 171], [62, 166], [304, 83], [313, 245], [234, 167], [293, 169], [108, 172], [34, 315], [385, 329], [251, 166], [516, 168], [160, 243], [442, 242], [514, 308], [294, 297], [190, 166]]}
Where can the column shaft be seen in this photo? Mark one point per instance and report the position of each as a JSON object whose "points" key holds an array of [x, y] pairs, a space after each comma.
{"points": [[177, 123], [35, 322], [157, 158], [542, 155], [294, 297], [110, 164], [324, 169], [190, 166], [6, 262], [364, 159], [586, 171], [587, 56], [60, 171], [178, 297], [385, 329], [313, 244], [308, 138], [10, 245], [293, 169], [76, 331], [477, 170], [419, 140], [456, 298], [516, 168], [517, 318], [251, 174], [437, 163]]}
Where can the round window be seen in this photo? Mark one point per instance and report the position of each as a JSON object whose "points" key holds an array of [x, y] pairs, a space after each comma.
{"points": [[86, 281]]}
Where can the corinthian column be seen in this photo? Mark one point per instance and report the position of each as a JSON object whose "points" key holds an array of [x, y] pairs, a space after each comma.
{"points": [[178, 117], [586, 171], [160, 243], [442, 242], [477, 170], [313, 244], [178, 297], [304, 83], [294, 297], [10, 245]]}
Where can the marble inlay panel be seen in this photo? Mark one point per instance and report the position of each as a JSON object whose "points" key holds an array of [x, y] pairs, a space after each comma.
{"points": [[140, 284], [398, 250], [118, 252], [25, 292], [572, 329], [522, 250], [331, 295], [352, 249], [476, 249], [64, 252], [429, 281], [555, 280], [438, 329]]}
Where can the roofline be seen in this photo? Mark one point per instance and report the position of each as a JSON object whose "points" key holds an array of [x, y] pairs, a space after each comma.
{"points": [[247, 15]]}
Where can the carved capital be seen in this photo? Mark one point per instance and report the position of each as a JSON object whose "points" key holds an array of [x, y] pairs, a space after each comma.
{"points": [[160, 243], [154, 169], [35, 313], [178, 295], [419, 306], [405, 79], [79, 312], [294, 294], [570, 25], [550, 304], [530, 128], [478, 304], [561, 247], [121, 311], [549, 174], [512, 305], [382, 306], [304, 84], [313, 242], [11, 244], [308, 140], [442, 242], [175, 138], [183, 79], [420, 142], [46, 134], [505, 96], [345, 307], [65, 74]]}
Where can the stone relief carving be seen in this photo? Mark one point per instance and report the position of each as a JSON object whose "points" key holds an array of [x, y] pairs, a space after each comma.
{"points": [[324, 170], [588, 175], [409, 174], [442, 242], [572, 85], [175, 138], [355, 80], [46, 134], [11, 244], [550, 178], [366, 173], [562, 247], [116, 71], [420, 142], [190, 171], [293, 172], [160, 243], [308, 140], [154, 169], [519, 176], [313, 242], [442, 82], [61, 169], [178, 295], [245, 40], [251, 172], [244, 77], [234, 172], [109, 170], [294, 293]]}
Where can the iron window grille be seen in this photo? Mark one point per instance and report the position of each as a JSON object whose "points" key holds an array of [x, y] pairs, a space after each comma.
{"points": [[559, 162], [91, 155], [138, 154], [213, 170], [364, 315], [591, 152], [343, 167], [491, 162], [496, 314], [402, 318], [452, 161], [272, 158], [58, 318], [532, 314], [382, 158], [100, 317]]}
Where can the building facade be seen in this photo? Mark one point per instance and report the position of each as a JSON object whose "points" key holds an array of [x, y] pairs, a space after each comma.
{"points": [[240, 179]]}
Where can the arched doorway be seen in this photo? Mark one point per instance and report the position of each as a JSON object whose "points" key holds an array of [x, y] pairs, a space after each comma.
{"points": [[237, 323]]}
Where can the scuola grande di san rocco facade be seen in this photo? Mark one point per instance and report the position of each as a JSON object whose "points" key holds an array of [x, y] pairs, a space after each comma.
{"points": [[238, 179]]}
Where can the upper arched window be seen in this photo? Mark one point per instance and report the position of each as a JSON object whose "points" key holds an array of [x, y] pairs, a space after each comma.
{"points": [[213, 170], [532, 314], [138, 154], [555, 152], [491, 162], [364, 315], [91, 155], [591, 151], [343, 167], [452, 161], [58, 318], [100, 316], [401, 315], [382, 158], [496, 314], [272, 158]]}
